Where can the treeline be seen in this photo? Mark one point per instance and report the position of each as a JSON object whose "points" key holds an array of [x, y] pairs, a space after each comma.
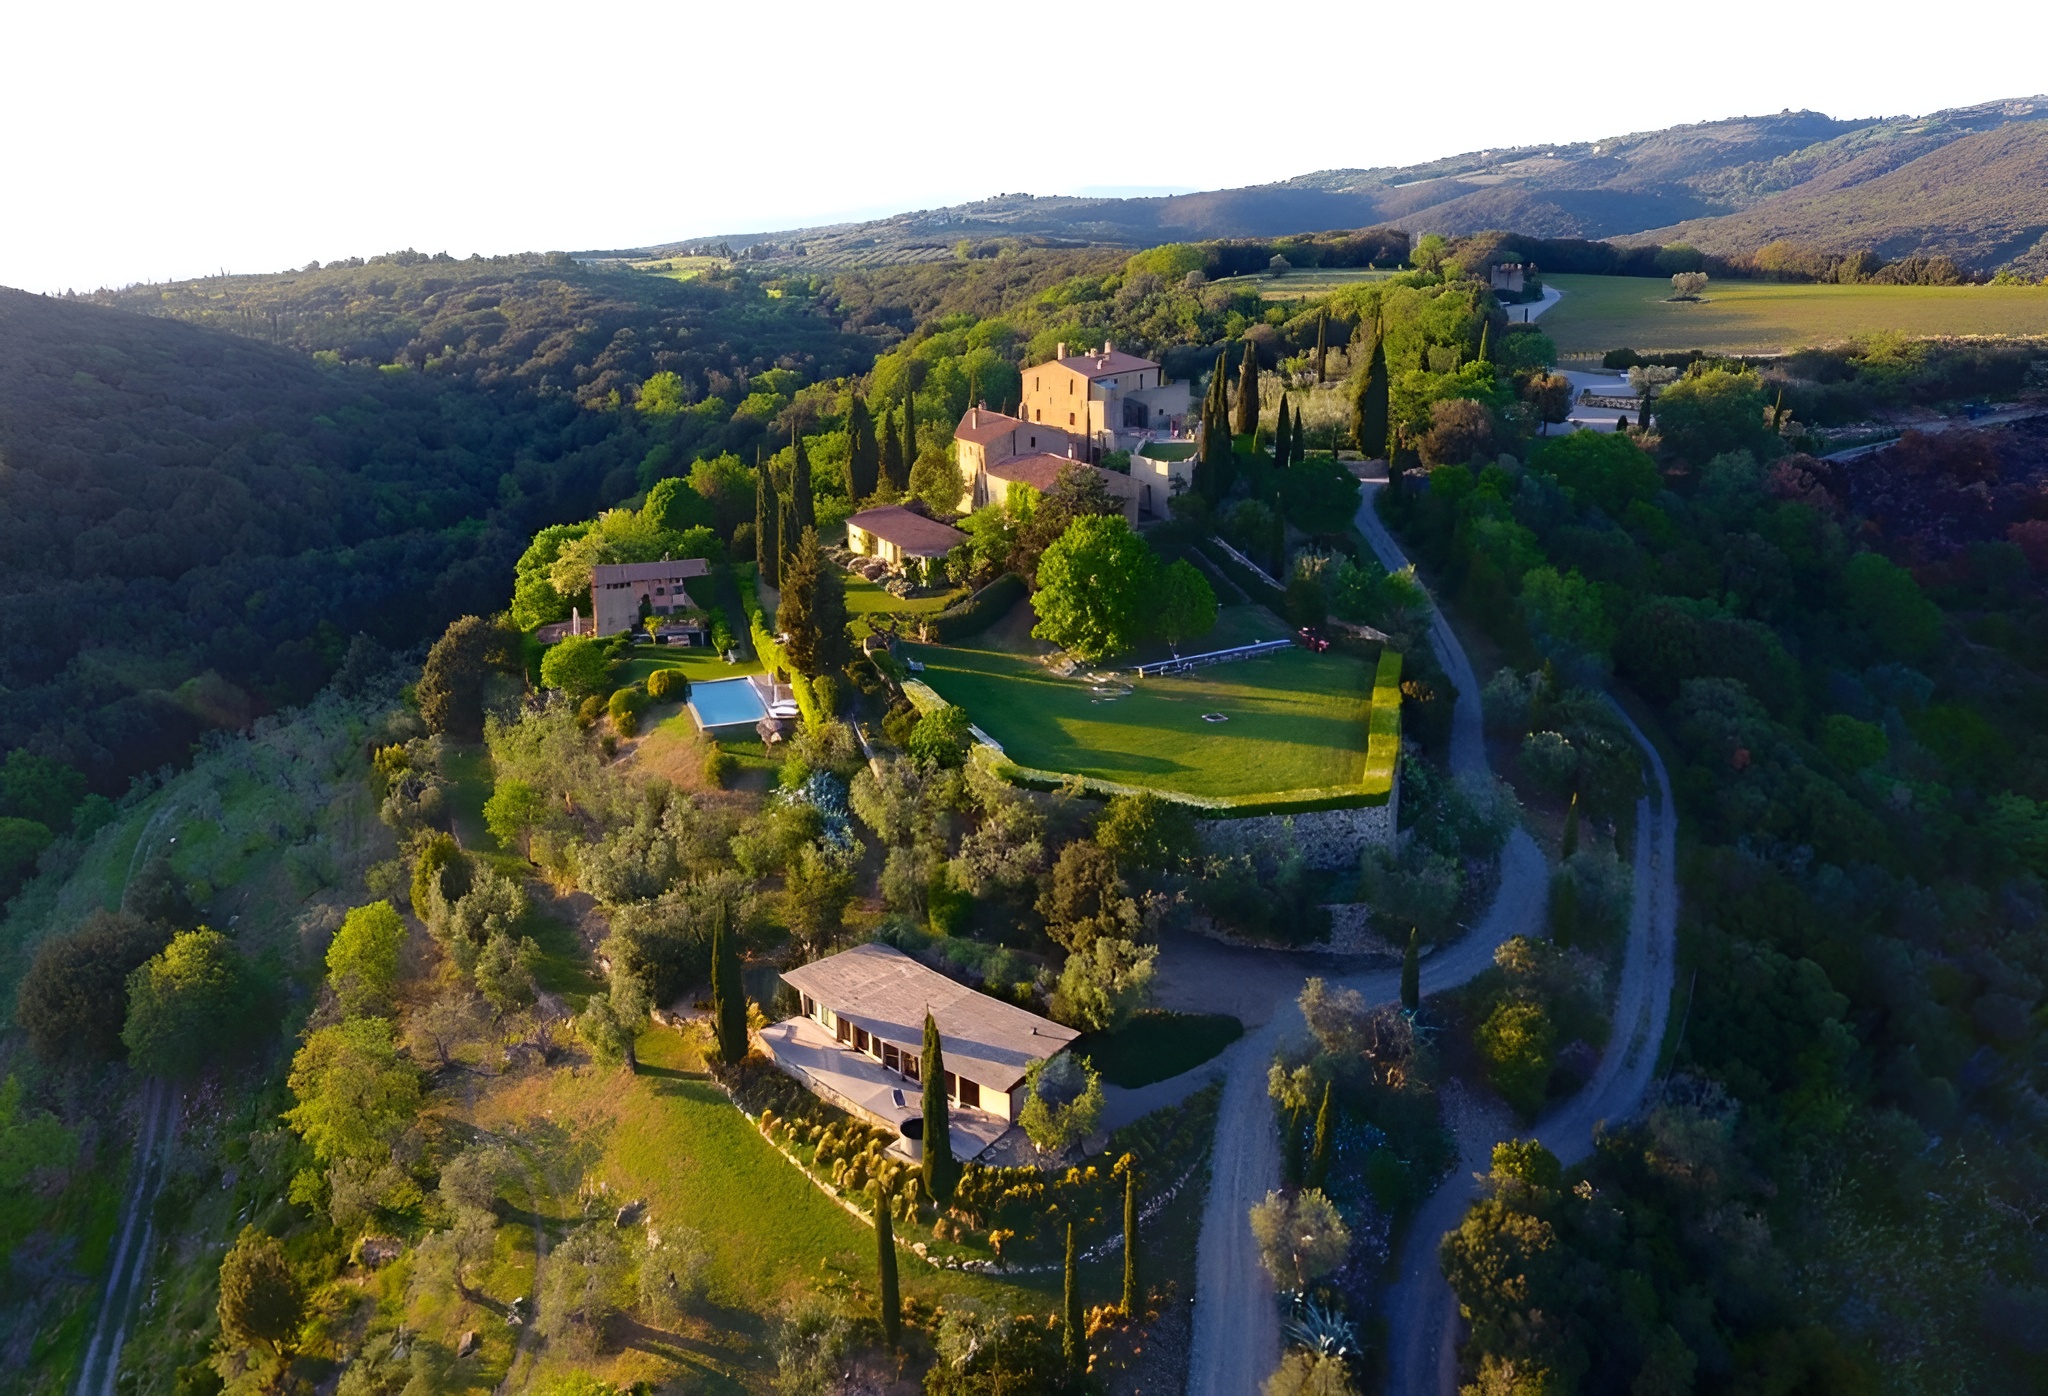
{"points": [[1782, 260], [1855, 749]]}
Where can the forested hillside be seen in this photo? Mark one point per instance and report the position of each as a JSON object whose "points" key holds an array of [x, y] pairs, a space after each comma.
{"points": [[195, 523]]}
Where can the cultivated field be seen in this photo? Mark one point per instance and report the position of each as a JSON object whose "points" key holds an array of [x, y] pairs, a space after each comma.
{"points": [[1295, 720], [1599, 313]]}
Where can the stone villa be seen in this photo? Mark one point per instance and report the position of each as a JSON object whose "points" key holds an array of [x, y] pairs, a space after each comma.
{"points": [[619, 590]]}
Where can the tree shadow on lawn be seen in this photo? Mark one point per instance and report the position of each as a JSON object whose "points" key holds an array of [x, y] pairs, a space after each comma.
{"points": [[697, 1354]]}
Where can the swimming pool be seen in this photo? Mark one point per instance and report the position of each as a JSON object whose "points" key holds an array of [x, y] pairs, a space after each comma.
{"points": [[726, 703]]}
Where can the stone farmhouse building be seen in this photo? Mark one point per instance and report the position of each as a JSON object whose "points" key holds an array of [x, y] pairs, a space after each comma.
{"points": [[859, 1044], [1112, 401], [996, 453], [619, 590]]}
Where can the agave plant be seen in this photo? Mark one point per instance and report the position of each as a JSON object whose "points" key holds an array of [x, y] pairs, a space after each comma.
{"points": [[1322, 1330]]}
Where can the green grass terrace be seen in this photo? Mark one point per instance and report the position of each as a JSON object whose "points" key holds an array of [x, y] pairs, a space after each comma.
{"points": [[1293, 722]]}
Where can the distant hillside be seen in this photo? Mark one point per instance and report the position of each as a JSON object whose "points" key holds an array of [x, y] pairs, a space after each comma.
{"points": [[1965, 183]]}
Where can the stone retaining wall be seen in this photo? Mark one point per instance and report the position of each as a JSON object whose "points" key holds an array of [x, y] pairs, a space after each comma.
{"points": [[1331, 838]]}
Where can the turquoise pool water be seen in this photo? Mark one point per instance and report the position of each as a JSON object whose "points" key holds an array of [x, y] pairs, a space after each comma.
{"points": [[726, 703]]}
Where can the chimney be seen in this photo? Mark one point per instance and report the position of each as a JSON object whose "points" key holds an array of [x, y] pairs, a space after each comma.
{"points": [[1107, 347], [1061, 352], [974, 418]]}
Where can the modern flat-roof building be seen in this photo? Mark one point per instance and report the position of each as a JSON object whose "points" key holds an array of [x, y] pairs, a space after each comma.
{"points": [[860, 1043], [618, 590]]}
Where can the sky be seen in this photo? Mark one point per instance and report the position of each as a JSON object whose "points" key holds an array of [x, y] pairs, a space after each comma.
{"points": [[149, 142]]}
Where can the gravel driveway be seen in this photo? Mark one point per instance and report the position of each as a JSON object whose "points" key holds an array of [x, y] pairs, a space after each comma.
{"points": [[1237, 1329]]}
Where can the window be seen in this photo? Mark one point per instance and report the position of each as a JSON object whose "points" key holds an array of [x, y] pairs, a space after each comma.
{"points": [[810, 1007], [845, 1028], [1070, 419], [911, 1066], [952, 1085], [970, 1093], [889, 1056], [860, 1039]]}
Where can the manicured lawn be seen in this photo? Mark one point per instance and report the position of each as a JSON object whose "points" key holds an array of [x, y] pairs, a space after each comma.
{"points": [[698, 665], [1295, 720], [1599, 313], [864, 597], [1155, 1046]]}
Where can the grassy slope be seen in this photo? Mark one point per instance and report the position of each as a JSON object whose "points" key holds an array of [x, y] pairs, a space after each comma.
{"points": [[670, 1137], [1599, 313], [1297, 720]]}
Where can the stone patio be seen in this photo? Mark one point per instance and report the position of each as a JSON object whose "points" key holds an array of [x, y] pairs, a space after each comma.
{"points": [[859, 1084]]}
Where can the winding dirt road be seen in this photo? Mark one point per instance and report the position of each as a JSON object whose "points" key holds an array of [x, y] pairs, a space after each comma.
{"points": [[1236, 1323], [158, 1127]]}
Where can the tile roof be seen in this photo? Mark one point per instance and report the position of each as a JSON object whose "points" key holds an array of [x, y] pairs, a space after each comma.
{"points": [[982, 426], [1037, 471], [650, 571], [1105, 365], [885, 991], [909, 530]]}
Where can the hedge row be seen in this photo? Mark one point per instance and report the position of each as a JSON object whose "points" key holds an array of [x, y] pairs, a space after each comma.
{"points": [[1246, 580], [978, 612], [772, 657], [1383, 730]]}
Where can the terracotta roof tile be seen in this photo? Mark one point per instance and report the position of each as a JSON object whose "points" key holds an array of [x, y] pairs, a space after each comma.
{"points": [[909, 530]]}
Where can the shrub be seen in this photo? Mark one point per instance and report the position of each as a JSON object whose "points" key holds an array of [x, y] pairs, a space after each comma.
{"points": [[718, 766], [664, 684], [625, 708], [940, 736], [979, 611]]}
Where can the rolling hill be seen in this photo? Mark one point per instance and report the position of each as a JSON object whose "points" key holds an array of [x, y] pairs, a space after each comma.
{"points": [[1966, 183]]}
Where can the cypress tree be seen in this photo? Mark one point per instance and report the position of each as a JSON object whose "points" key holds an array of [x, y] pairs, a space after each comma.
{"points": [[728, 992], [1571, 830], [1322, 343], [885, 1263], [1247, 420], [801, 503], [1319, 1162], [1072, 1345], [1282, 441], [1297, 1137], [813, 610], [1370, 411], [1564, 910], [1643, 417], [939, 1175], [909, 440], [1411, 972], [863, 459], [766, 552], [1130, 1237], [786, 538], [1485, 342], [894, 471]]}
